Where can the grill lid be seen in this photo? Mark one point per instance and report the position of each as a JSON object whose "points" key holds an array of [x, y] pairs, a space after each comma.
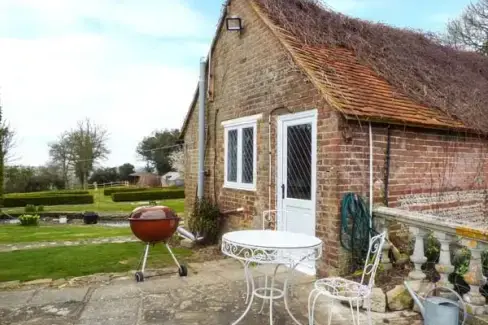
{"points": [[153, 213]]}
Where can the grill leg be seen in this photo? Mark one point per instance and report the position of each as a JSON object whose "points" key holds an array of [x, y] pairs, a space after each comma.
{"points": [[173, 256], [146, 254]]}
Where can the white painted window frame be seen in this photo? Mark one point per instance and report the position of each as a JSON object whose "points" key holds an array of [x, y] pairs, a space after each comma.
{"points": [[239, 124]]}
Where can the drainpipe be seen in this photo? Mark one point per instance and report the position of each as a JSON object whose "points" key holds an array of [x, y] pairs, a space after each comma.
{"points": [[370, 175], [201, 129]]}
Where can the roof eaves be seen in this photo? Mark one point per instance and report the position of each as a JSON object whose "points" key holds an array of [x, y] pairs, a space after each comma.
{"points": [[289, 43]]}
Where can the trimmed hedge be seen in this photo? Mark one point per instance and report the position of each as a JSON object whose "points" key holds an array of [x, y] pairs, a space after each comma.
{"points": [[148, 195], [48, 193], [110, 191], [64, 199]]}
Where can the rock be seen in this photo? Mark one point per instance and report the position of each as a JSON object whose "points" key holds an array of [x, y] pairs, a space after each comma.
{"points": [[378, 301], [187, 243], [9, 284], [398, 298], [39, 281], [58, 282]]}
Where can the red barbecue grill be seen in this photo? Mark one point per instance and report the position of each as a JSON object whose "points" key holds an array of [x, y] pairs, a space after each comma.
{"points": [[152, 225]]}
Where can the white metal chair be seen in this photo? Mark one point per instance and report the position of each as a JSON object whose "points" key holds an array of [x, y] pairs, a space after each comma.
{"points": [[340, 289]]}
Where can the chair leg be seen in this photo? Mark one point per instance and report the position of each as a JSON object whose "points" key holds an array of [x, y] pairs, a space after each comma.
{"points": [[330, 312], [352, 314], [310, 311], [370, 321], [357, 311], [311, 305]]}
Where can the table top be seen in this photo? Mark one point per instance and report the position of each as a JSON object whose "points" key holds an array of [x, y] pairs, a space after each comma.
{"points": [[271, 239]]}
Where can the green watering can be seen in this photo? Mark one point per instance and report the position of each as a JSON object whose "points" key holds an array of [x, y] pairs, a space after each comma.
{"points": [[438, 310]]}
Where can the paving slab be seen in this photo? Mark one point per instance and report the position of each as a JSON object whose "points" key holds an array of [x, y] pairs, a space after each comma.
{"points": [[160, 286], [201, 299], [120, 308], [12, 299], [52, 296], [117, 292], [64, 313], [108, 321]]}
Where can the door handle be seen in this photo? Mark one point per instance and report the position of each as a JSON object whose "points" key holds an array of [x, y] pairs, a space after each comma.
{"points": [[282, 191]]}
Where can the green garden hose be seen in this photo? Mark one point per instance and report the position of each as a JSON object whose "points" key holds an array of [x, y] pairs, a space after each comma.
{"points": [[356, 228]]}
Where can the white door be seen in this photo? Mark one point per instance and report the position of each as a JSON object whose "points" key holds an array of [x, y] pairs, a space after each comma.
{"points": [[296, 179]]}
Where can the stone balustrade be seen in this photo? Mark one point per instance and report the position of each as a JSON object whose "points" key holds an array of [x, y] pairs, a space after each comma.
{"points": [[472, 235]]}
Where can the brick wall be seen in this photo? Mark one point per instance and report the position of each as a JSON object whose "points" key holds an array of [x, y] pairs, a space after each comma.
{"points": [[433, 171], [254, 74]]}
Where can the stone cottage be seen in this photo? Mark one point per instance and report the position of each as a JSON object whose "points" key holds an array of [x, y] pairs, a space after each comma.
{"points": [[299, 96]]}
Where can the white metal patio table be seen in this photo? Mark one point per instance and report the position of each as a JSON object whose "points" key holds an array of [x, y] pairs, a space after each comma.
{"points": [[280, 248]]}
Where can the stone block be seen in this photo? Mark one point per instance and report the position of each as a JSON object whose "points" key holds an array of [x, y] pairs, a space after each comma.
{"points": [[378, 301], [398, 298], [39, 281], [9, 284], [187, 243]]}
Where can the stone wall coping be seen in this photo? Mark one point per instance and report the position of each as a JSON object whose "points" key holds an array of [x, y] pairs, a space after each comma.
{"points": [[466, 229]]}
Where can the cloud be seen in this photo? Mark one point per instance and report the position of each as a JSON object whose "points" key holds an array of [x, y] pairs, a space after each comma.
{"points": [[123, 74], [151, 17]]}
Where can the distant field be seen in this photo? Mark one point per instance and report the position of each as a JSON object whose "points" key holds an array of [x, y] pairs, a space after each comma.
{"points": [[103, 204]]}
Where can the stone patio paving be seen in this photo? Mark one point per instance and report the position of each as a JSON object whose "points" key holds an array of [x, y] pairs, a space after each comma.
{"points": [[213, 293]]}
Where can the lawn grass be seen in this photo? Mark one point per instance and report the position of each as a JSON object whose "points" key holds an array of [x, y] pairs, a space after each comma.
{"points": [[62, 262], [103, 203], [20, 234]]}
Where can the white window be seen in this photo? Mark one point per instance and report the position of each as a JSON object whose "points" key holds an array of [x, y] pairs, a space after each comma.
{"points": [[240, 153]]}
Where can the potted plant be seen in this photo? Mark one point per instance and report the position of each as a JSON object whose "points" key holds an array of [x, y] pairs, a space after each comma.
{"points": [[90, 218]]}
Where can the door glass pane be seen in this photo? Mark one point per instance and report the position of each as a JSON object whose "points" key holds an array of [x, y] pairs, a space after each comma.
{"points": [[299, 162], [247, 155], [232, 156]]}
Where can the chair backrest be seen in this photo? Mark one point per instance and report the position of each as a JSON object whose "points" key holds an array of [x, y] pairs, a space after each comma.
{"points": [[373, 259]]}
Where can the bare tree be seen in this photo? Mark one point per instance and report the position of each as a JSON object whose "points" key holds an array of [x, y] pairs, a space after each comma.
{"points": [[59, 152], [8, 141], [87, 145], [470, 30], [177, 160]]}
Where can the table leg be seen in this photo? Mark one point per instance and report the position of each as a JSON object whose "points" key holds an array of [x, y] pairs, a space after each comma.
{"points": [[246, 275], [266, 286], [252, 291], [291, 269], [271, 297], [251, 280]]}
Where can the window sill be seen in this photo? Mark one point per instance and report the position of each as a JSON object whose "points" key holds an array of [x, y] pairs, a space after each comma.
{"points": [[239, 187]]}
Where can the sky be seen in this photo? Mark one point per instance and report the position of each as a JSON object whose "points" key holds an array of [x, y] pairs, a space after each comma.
{"points": [[131, 66]]}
